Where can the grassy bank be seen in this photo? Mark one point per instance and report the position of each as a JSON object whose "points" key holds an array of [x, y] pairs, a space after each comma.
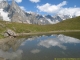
{"points": [[70, 24]]}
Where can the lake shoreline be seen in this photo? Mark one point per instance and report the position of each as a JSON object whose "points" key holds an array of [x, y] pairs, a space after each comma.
{"points": [[50, 32], [40, 33]]}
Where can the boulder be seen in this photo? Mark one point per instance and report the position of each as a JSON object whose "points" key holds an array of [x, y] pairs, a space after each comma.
{"points": [[2, 58], [6, 35], [10, 32]]}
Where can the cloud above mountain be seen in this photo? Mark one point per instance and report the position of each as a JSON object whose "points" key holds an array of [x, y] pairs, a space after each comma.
{"points": [[51, 8], [23, 8], [35, 1], [73, 11], [18, 1], [59, 8]]}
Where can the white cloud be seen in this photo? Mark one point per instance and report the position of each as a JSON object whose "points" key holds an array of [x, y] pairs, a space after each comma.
{"points": [[62, 4], [51, 42], [51, 8], [48, 8], [35, 1], [35, 51], [17, 55], [18, 1], [70, 11], [4, 15], [1, 0], [59, 41], [23, 8]]}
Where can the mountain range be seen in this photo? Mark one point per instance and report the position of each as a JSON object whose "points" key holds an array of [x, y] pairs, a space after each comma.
{"points": [[13, 13]]}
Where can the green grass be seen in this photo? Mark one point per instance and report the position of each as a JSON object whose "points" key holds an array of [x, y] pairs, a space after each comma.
{"points": [[1, 36], [70, 24]]}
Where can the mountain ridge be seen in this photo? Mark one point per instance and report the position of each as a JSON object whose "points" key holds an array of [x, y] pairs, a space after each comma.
{"points": [[69, 25], [15, 14]]}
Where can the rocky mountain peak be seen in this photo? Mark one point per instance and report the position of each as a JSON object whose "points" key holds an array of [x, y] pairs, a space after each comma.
{"points": [[12, 12], [4, 4], [14, 7], [13, 1], [16, 14]]}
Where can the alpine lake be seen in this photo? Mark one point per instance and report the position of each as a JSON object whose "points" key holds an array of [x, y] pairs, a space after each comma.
{"points": [[42, 47]]}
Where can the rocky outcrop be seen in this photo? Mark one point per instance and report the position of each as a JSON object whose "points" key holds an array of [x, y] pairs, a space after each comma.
{"points": [[17, 14], [2, 58], [4, 5], [10, 33]]}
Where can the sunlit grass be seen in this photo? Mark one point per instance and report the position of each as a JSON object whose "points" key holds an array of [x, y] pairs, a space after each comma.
{"points": [[70, 24]]}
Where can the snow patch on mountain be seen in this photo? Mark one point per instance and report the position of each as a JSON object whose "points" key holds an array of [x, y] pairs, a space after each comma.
{"points": [[52, 22], [29, 22], [14, 13], [4, 15]]}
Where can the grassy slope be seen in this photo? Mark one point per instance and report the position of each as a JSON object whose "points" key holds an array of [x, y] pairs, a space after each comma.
{"points": [[70, 24]]}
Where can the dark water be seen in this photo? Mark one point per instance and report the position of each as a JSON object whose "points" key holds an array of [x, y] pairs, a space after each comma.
{"points": [[41, 48]]}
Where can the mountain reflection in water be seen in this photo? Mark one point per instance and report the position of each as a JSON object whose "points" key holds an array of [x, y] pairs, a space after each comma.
{"points": [[6, 47], [40, 48]]}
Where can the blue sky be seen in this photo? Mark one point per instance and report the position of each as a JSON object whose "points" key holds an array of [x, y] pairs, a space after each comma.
{"points": [[50, 6]]}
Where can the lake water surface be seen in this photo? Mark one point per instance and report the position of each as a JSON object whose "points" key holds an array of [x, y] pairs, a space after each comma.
{"points": [[41, 48]]}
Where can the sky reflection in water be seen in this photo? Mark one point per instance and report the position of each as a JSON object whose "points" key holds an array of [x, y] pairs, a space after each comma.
{"points": [[44, 46]]}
